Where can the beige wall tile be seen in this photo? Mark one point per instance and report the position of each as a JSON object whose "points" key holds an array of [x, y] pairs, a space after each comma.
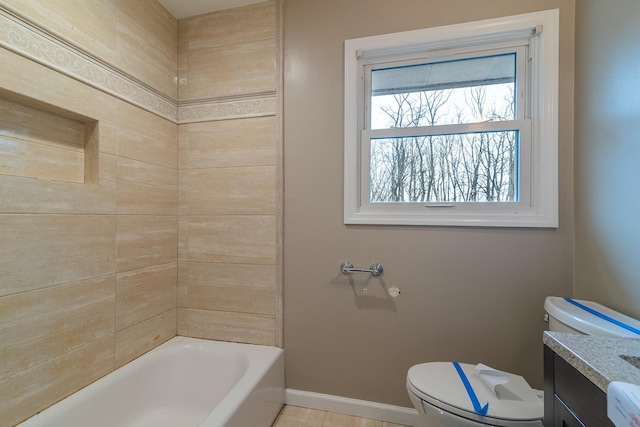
{"points": [[108, 137], [38, 125], [242, 191], [231, 52], [148, 44], [233, 70], [58, 289], [183, 146], [144, 336], [227, 179], [23, 77], [146, 137], [183, 59], [182, 322], [228, 143], [107, 169], [47, 323], [22, 80], [145, 293], [246, 239], [183, 284], [33, 390], [232, 287], [32, 160], [241, 299], [92, 152], [183, 192], [29, 195], [249, 275], [91, 24], [40, 143], [183, 239], [227, 326], [232, 26], [144, 188], [144, 241], [39, 251]]}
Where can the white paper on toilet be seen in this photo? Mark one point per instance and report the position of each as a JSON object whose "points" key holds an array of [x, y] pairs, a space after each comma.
{"points": [[623, 404], [491, 377], [504, 385]]}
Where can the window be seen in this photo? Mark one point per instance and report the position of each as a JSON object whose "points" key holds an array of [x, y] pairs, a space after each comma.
{"points": [[454, 125]]}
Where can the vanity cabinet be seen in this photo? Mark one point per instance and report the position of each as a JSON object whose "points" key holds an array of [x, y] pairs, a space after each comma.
{"points": [[570, 399]]}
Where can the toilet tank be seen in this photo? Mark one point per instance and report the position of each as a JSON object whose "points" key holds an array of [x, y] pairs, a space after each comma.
{"points": [[589, 318]]}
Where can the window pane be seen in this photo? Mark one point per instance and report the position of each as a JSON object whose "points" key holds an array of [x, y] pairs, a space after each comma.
{"points": [[469, 167], [452, 92]]}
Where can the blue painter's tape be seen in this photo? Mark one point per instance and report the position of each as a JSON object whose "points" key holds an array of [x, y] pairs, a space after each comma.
{"points": [[480, 410], [603, 316]]}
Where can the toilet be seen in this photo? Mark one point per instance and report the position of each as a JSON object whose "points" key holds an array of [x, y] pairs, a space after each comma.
{"points": [[452, 394]]}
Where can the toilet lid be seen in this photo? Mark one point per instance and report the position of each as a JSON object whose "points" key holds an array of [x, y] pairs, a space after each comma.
{"points": [[441, 381]]}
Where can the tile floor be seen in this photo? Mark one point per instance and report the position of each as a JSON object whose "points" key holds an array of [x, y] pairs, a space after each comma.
{"points": [[295, 416]]}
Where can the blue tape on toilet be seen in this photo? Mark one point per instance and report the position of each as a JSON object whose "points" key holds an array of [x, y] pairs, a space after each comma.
{"points": [[480, 410], [603, 316]]}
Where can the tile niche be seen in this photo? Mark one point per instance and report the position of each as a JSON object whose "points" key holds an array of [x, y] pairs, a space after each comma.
{"points": [[39, 140]]}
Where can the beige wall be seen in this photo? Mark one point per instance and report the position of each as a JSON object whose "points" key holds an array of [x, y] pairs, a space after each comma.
{"points": [[607, 154], [88, 271], [468, 294], [229, 253]]}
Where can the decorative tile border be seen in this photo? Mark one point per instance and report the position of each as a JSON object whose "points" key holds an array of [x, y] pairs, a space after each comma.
{"points": [[224, 109], [30, 41], [24, 38]]}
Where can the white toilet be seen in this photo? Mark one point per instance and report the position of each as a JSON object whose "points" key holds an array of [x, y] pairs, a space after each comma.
{"points": [[450, 396]]}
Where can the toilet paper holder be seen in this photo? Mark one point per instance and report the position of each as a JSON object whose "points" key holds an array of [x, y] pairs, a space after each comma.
{"points": [[375, 269]]}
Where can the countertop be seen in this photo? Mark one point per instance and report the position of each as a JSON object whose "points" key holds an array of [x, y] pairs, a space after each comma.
{"points": [[597, 358]]}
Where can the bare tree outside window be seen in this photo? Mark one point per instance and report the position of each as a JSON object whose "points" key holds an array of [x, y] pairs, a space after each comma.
{"points": [[461, 167]]}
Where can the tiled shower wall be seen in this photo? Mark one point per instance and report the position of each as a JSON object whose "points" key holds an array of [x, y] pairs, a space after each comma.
{"points": [[228, 166], [89, 272]]}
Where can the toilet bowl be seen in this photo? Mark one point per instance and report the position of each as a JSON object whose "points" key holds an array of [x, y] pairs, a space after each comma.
{"points": [[450, 396]]}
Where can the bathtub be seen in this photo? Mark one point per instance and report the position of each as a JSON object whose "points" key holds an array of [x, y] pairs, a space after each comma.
{"points": [[185, 382]]}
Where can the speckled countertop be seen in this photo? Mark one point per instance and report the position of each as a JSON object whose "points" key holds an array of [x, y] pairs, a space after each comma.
{"points": [[597, 358]]}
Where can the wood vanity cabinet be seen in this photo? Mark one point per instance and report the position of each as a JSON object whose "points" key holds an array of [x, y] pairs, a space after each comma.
{"points": [[570, 399]]}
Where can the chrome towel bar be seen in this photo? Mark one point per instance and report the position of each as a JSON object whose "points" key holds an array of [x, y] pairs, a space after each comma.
{"points": [[375, 269]]}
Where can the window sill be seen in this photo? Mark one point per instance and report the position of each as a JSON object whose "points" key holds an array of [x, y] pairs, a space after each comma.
{"points": [[452, 219]]}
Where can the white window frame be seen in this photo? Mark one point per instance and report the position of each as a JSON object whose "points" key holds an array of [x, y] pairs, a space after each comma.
{"points": [[539, 177]]}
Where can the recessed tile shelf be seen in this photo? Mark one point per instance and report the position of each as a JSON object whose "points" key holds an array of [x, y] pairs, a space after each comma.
{"points": [[39, 140]]}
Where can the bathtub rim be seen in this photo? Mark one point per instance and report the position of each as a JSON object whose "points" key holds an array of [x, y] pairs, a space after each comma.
{"points": [[234, 398]]}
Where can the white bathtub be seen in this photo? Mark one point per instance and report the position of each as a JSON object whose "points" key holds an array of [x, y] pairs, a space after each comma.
{"points": [[184, 382]]}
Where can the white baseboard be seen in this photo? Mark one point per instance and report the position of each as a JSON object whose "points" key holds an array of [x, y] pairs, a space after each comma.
{"points": [[355, 407]]}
